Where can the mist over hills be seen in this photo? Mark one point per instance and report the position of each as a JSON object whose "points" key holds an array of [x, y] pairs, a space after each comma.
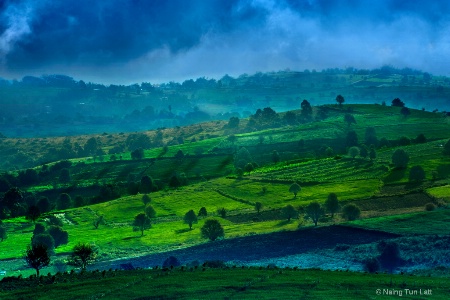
{"points": [[58, 105]]}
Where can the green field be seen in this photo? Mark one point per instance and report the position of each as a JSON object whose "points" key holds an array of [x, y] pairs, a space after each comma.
{"points": [[229, 283]]}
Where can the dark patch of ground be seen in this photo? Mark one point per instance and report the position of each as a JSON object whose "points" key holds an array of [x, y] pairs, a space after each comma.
{"points": [[394, 202], [257, 247]]}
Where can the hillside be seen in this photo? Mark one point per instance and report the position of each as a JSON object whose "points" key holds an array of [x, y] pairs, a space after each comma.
{"points": [[213, 171]]}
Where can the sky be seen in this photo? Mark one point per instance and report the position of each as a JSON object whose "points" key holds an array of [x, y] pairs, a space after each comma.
{"points": [[133, 41]]}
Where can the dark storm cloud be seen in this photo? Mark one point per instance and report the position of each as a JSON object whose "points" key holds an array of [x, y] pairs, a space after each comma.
{"points": [[131, 40]]}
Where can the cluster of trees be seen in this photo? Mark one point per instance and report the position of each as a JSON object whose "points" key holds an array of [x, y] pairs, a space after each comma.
{"points": [[38, 256]]}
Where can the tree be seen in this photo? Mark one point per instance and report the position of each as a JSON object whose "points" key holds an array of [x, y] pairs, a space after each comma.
{"points": [[258, 206], [233, 122], [60, 236], [275, 156], [79, 201], [390, 255], [372, 154], [33, 213], [397, 102], [82, 255], [242, 158], [447, 148], [212, 230], [249, 167], [44, 204], [416, 174], [98, 221], [146, 184], [3, 233], [91, 146], [150, 211], [37, 256], [314, 211], [340, 99], [353, 151], [306, 109], [349, 119], [421, 139], [222, 212], [351, 212], [179, 155], [64, 201], [137, 153], [44, 239], [141, 222], [190, 218], [290, 118], [38, 229], [202, 212], [400, 158], [289, 212], [64, 176], [332, 204], [12, 201], [295, 188], [363, 151], [146, 199], [370, 137], [405, 111], [351, 139]]}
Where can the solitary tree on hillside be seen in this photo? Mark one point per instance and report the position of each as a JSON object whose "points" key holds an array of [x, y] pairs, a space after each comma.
{"points": [[332, 204], [258, 206], [416, 174], [44, 239], [141, 222], [397, 102], [340, 99], [306, 109], [146, 184], [202, 212], [289, 212], [37, 257], [295, 188], [400, 158], [190, 218], [351, 212], [233, 122], [82, 255], [212, 230], [314, 211], [351, 139]]}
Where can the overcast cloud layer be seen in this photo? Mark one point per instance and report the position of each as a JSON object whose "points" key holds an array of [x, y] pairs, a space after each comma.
{"points": [[127, 41]]}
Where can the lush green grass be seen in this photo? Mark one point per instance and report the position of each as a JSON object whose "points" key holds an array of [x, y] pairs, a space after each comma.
{"points": [[433, 222], [441, 192], [231, 283]]}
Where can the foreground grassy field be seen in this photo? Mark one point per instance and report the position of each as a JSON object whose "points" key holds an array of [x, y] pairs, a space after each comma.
{"points": [[227, 283]]}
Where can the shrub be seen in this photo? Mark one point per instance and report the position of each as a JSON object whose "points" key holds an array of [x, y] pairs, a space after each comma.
{"points": [[59, 235], [400, 158], [332, 204], [44, 239], [371, 265], [289, 212], [353, 152], [171, 261], [212, 230], [222, 212], [351, 212], [430, 206], [416, 174], [202, 212]]}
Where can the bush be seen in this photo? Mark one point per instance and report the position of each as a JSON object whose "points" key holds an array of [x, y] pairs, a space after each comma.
{"points": [[202, 212], [59, 235], [171, 261], [351, 212], [416, 174], [212, 230], [400, 158], [44, 239], [371, 265], [214, 264], [430, 206]]}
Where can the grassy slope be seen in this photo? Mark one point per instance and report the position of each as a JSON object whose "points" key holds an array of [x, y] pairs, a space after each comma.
{"points": [[351, 179], [232, 284]]}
